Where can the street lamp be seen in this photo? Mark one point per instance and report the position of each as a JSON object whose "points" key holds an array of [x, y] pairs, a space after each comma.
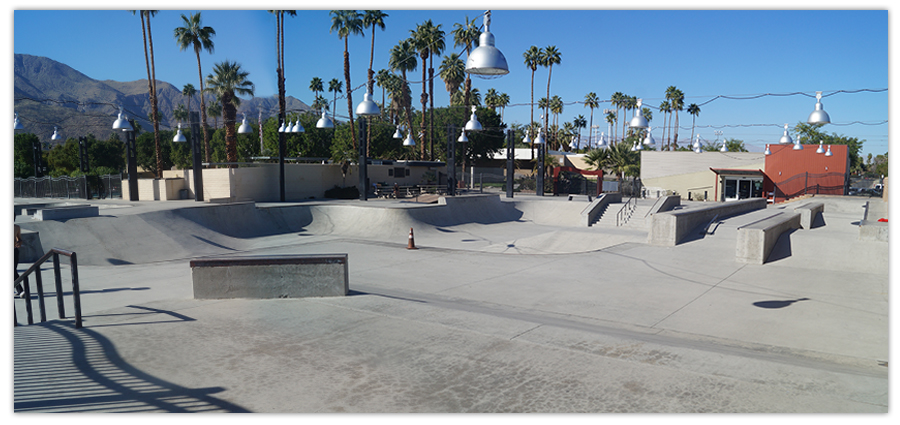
{"points": [[821, 148], [486, 60], [17, 125], [122, 122], [785, 138], [819, 116], [325, 121], [243, 129], [367, 108], [179, 137], [638, 120], [56, 135]]}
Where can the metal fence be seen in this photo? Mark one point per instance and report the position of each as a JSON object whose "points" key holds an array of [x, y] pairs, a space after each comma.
{"points": [[100, 187]]}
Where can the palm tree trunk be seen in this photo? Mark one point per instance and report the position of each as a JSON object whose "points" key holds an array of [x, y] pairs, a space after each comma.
{"points": [[154, 104], [371, 81], [229, 113], [424, 99], [349, 92], [431, 104], [532, 109], [207, 153], [591, 128]]}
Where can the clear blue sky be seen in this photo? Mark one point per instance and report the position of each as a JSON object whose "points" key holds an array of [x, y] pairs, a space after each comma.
{"points": [[705, 53]]}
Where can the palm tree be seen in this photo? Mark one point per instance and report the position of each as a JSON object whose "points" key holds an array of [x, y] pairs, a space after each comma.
{"points": [[227, 80], [316, 86], [618, 159], [453, 72], [579, 122], [180, 114], [373, 19], [151, 82], [676, 102], [424, 37], [347, 23], [591, 101], [381, 78], [320, 104], [403, 59], [550, 56], [629, 103], [665, 108], [503, 101], [215, 111], [555, 106], [694, 110], [491, 99], [611, 120], [334, 86], [193, 34], [437, 45], [616, 100], [279, 69], [466, 35], [188, 91]]}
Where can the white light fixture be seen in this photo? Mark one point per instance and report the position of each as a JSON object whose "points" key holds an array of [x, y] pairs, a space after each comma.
{"points": [[462, 137], [527, 139], [179, 136], [828, 152], [367, 108], [486, 59], [637, 147], [724, 147], [122, 122], [767, 152], [17, 125], [798, 146], [649, 139], [696, 144], [297, 128], [602, 143], [473, 123], [409, 140], [243, 129], [821, 148], [281, 129], [324, 122], [638, 121], [398, 134], [55, 135], [540, 138], [785, 138], [819, 116]]}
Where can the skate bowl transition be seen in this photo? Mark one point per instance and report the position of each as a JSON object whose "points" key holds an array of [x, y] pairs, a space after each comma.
{"points": [[128, 234]]}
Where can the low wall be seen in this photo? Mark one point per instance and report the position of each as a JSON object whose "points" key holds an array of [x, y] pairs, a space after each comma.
{"points": [[667, 204], [31, 249], [589, 214], [808, 213], [297, 276], [669, 228], [756, 240], [66, 212]]}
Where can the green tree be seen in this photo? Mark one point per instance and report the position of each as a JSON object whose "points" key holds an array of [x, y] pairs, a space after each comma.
{"points": [[466, 35], [618, 159], [193, 34], [694, 110], [227, 80], [812, 134], [403, 59], [215, 111], [334, 86], [453, 72], [151, 80], [188, 91], [665, 108], [279, 54], [347, 23], [315, 86], [373, 19], [617, 99], [676, 103], [591, 101], [580, 123], [550, 56]]}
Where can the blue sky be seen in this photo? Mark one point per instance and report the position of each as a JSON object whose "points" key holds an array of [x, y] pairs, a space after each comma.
{"points": [[705, 53]]}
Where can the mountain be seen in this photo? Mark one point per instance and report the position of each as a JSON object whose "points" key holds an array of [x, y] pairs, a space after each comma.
{"points": [[49, 93]]}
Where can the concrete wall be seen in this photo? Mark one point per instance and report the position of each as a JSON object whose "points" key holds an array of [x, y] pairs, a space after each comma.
{"points": [[756, 240], [688, 172], [670, 228], [271, 277]]}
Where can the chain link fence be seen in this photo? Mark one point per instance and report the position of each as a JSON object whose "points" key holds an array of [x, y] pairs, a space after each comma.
{"points": [[83, 187]]}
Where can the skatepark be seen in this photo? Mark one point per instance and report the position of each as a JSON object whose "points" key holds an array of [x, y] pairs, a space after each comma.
{"points": [[505, 305]]}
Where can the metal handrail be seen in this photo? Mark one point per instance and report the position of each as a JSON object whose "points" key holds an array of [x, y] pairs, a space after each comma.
{"points": [[625, 213], [36, 269]]}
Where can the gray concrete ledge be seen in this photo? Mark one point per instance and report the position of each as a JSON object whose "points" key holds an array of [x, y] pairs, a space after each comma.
{"points": [[64, 212], [590, 213], [756, 240], [808, 213], [296, 276], [670, 228]]}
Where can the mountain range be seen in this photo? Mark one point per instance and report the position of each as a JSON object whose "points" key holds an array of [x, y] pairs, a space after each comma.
{"points": [[49, 94]]}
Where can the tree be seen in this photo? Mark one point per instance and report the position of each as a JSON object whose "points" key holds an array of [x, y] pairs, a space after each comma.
{"points": [[151, 82], [502, 102], [381, 78], [316, 86], [424, 38], [334, 86], [226, 81], [811, 134], [611, 120], [676, 103], [617, 100], [347, 23], [618, 159], [403, 59], [591, 101], [453, 72], [193, 34], [215, 111], [180, 114], [466, 35], [550, 56], [279, 56], [694, 110], [579, 122], [665, 109], [373, 19], [188, 91]]}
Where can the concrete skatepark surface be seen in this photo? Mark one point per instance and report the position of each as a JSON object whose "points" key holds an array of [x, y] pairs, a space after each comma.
{"points": [[507, 306]]}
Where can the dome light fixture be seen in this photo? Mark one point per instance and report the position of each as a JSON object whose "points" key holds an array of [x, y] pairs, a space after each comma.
{"points": [[486, 60], [828, 152], [179, 137], [56, 135], [649, 139], [473, 123], [324, 122], [462, 137], [821, 148], [297, 128], [16, 124], [243, 129], [785, 138], [409, 140], [122, 122], [397, 133], [638, 121], [367, 108], [540, 138], [798, 146], [767, 152], [819, 116]]}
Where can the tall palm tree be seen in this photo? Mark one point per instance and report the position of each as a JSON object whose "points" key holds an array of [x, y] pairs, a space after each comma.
{"points": [[694, 110], [320, 104], [436, 47], [188, 91], [316, 86], [279, 69], [347, 23], [616, 100], [453, 72], [403, 59], [373, 19], [503, 101], [334, 86], [629, 103], [180, 114], [611, 120], [466, 35], [151, 82], [591, 101], [665, 108], [676, 102], [194, 34], [579, 122], [555, 107], [423, 37], [491, 99], [214, 111], [618, 159], [226, 81], [381, 78], [550, 56], [532, 58]]}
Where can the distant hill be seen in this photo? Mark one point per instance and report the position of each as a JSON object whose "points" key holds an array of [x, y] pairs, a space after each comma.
{"points": [[49, 93]]}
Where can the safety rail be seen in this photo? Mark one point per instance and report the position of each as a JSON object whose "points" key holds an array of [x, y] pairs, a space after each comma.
{"points": [[626, 211], [36, 269]]}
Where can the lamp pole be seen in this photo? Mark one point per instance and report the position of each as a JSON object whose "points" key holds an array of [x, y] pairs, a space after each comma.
{"points": [[195, 156], [131, 153], [510, 162], [451, 161], [83, 164], [363, 162]]}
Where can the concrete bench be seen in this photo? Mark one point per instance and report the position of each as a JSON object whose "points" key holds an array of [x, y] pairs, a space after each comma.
{"points": [[671, 227], [29, 209], [808, 213], [64, 212], [756, 240], [296, 276]]}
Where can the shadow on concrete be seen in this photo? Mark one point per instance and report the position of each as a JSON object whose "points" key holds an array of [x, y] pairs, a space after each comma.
{"points": [[778, 304], [818, 221], [118, 262], [87, 375], [782, 248], [213, 243]]}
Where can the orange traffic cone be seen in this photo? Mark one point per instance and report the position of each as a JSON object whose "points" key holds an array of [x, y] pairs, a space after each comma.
{"points": [[412, 241]]}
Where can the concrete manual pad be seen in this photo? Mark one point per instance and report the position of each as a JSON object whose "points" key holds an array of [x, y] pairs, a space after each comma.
{"points": [[577, 320]]}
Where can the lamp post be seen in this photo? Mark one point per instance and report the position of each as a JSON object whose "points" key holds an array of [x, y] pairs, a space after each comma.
{"points": [[541, 143], [83, 163], [366, 109], [196, 162], [510, 162]]}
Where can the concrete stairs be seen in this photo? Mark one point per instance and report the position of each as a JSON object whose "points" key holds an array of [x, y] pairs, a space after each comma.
{"points": [[638, 218]]}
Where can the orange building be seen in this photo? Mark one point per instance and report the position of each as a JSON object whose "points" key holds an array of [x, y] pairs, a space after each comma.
{"points": [[790, 173]]}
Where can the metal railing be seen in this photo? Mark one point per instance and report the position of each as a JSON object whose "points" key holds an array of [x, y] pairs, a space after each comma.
{"points": [[35, 269], [626, 211], [82, 187]]}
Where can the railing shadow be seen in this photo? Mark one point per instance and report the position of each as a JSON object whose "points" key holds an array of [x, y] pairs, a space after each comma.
{"points": [[58, 368]]}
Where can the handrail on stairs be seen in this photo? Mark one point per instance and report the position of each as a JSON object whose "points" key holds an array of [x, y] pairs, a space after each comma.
{"points": [[625, 212], [36, 270]]}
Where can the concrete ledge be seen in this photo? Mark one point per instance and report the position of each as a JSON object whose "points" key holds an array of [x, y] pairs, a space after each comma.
{"points": [[809, 212], [756, 240], [590, 213], [29, 209], [31, 249], [296, 276], [667, 204], [670, 228], [65, 212]]}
